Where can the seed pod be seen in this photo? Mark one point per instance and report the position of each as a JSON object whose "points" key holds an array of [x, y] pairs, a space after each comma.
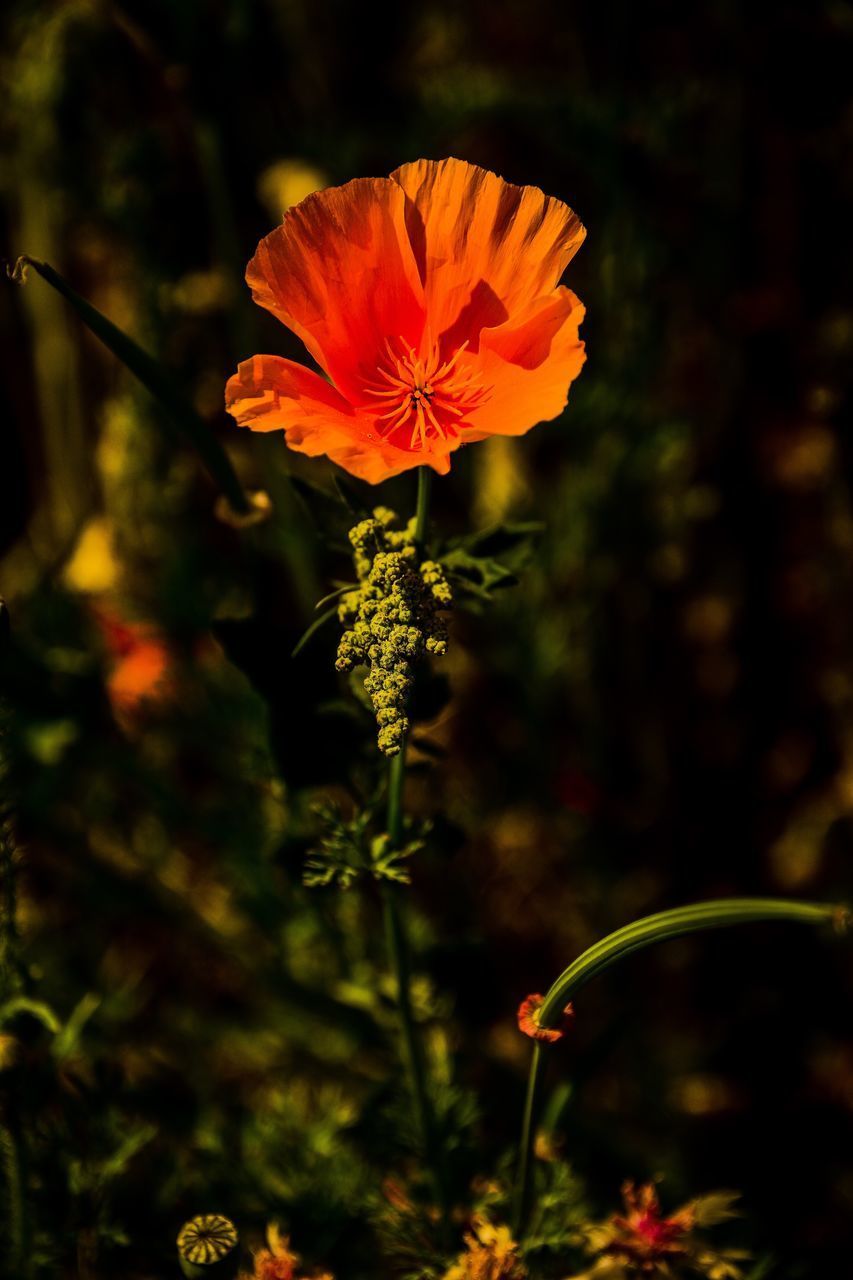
{"points": [[207, 1247]]}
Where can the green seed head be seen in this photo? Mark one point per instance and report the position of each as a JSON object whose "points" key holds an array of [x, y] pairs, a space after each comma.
{"points": [[392, 618]]}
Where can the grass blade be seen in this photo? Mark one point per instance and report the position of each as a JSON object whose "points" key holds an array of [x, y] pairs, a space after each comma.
{"points": [[153, 376]]}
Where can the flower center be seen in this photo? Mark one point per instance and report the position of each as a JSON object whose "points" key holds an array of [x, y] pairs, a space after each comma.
{"points": [[657, 1230], [421, 397]]}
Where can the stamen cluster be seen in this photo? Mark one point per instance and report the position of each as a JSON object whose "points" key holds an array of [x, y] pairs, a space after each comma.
{"points": [[422, 396], [393, 618]]}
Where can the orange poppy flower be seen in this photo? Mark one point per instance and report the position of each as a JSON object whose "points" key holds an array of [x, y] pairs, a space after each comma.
{"points": [[430, 300], [528, 1020]]}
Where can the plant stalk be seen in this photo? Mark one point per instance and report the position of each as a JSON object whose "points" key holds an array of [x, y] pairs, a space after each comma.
{"points": [[523, 1185], [422, 508], [17, 1222], [396, 936], [633, 937]]}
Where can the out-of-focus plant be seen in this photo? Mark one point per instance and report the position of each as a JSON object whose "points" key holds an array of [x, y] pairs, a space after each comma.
{"points": [[642, 1241]]}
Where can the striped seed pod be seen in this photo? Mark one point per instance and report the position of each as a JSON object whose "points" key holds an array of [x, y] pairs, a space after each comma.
{"points": [[207, 1247]]}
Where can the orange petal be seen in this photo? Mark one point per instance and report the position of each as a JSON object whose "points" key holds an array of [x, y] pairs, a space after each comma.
{"points": [[268, 393], [529, 366], [486, 249], [528, 1020], [340, 272]]}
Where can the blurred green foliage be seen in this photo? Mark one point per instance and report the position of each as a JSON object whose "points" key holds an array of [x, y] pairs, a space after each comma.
{"points": [[659, 712]]}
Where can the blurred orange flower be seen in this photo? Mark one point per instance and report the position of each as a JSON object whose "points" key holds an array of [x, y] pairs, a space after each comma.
{"points": [[269, 1266], [643, 1242], [141, 663], [642, 1233], [277, 1261], [430, 300], [528, 1020]]}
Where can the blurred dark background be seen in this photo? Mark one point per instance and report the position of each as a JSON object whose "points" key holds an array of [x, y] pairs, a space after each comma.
{"points": [[661, 711]]}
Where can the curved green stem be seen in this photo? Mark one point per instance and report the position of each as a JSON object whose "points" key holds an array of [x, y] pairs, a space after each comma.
{"points": [[677, 923], [397, 941], [715, 914]]}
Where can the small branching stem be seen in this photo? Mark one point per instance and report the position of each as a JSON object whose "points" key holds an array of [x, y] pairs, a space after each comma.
{"points": [[633, 937], [525, 1152]]}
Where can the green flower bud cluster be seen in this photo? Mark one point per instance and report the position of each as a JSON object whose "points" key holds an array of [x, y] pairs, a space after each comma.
{"points": [[393, 618]]}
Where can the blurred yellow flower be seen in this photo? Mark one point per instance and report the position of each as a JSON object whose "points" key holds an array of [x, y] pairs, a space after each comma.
{"points": [[93, 567], [286, 182], [490, 1254]]}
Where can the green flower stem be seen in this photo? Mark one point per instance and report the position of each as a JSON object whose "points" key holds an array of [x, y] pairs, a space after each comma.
{"points": [[422, 507], [633, 937], [525, 1151], [396, 783], [397, 941], [398, 950]]}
